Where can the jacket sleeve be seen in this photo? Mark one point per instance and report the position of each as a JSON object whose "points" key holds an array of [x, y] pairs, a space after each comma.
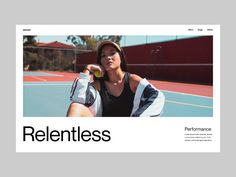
{"points": [[85, 93], [148, 101]]}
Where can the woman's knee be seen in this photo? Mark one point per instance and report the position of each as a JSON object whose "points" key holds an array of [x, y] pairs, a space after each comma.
{"points": [[78, 110]]}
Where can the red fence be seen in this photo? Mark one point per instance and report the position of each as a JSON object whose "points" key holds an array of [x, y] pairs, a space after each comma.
{"points": [[184, 60]]}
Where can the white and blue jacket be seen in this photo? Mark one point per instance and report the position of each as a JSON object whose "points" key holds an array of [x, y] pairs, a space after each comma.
{"points": [[148, 101]]}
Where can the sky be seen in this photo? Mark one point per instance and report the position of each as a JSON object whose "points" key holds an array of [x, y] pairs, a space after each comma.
{"points": [[125, 41]]}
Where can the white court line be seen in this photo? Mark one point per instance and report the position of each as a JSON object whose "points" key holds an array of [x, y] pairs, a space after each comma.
{"points": [[182, 93], [189, 104], [47, 84], [39, 78], [70, 83], [170, 101]]}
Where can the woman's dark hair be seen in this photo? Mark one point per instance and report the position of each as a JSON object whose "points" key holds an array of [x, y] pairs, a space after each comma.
{"points": [[120, 51]]}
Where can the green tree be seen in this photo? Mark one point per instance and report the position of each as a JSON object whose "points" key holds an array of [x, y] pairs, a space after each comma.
{"points": [[90, 42], [29, 40]]}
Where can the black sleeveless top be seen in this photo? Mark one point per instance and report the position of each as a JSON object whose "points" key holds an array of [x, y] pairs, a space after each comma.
{"points": [[120, 106]]}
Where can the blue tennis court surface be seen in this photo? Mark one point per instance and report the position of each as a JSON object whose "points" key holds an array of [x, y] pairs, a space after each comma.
{"points": [[51, 99], [39, 74]]}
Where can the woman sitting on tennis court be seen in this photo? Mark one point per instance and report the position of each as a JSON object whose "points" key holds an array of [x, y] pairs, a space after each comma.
{"points": [[114, 92]]}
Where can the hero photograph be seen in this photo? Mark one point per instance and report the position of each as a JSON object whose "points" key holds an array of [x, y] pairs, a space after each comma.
{"points": [[117, 76]]}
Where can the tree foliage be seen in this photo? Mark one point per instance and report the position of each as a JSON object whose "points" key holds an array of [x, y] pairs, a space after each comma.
{"points": [[90, 42], [29, 40]]}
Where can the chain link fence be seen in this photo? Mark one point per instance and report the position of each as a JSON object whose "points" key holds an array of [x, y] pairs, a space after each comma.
{"points": [[49, 59]]}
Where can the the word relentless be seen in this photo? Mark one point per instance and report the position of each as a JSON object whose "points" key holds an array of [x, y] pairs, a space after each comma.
{"points": [[75, 134]]}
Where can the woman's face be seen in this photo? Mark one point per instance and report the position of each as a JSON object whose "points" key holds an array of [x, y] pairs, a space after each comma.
{"points": [[110, 58]]}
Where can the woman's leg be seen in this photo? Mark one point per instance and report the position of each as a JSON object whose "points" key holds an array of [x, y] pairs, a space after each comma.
{"points": [[78, 110]]}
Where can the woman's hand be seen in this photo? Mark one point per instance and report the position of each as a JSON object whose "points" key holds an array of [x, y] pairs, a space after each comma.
{"points": [[95, 69]]}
